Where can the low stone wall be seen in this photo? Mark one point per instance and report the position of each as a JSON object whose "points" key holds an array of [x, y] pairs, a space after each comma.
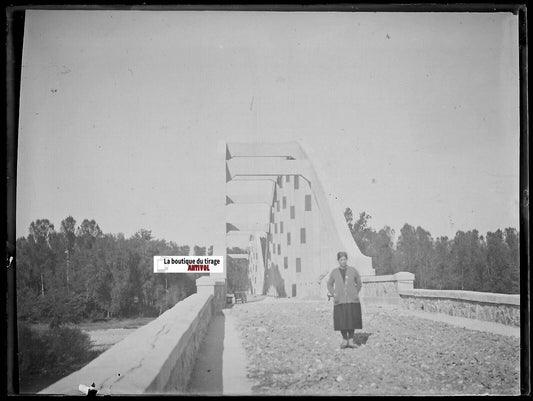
{"points": [[500, 308], [215, 286], [156, 358], [380, 292], [386, 288], [376, 289]]}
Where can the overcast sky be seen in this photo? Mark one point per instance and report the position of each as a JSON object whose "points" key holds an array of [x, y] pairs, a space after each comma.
{"points": [[122, 112]]}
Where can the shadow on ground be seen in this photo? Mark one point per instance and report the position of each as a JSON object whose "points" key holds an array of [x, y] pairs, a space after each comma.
{"points": [[361, 338], [206, 377]]}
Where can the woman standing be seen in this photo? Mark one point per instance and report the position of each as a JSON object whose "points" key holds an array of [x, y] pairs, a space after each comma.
{"points": [[344, 285]]}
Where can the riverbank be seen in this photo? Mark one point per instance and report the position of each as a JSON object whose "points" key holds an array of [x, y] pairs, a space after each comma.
{"points": [[103, 335]]}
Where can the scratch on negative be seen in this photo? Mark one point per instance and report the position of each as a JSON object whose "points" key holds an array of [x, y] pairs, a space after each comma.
{"points": [[139, 364]]}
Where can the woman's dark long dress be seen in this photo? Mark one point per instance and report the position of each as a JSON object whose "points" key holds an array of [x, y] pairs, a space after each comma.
{"points": [[347, 316]]}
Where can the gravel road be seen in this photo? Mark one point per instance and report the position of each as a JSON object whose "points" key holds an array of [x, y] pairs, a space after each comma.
{"points": [[292, 349]]}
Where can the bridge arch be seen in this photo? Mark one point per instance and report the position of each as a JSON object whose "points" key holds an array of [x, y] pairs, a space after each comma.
{"points": [[274, 188]]}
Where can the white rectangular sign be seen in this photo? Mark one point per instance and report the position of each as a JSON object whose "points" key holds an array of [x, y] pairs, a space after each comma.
{"points": [[188, 264]]}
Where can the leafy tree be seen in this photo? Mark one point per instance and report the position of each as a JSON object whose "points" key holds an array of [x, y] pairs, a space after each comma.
{"points": [[468, 261], [384, 251], [363, 235], [199, 250], [81, 273], [460, 259], [473, 276], [143, 234], [88, 232], [442, 271], [68, 229], [496, 261], [502, 261], [416, 253], [512, 240], [407, 248], [41, 232], [424, 257]]}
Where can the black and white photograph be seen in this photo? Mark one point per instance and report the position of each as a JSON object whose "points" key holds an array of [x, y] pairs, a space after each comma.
{"points": [[267, 202]]}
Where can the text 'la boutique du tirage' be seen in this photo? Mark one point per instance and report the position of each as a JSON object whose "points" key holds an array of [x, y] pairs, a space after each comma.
{"points": [[173, 264]]}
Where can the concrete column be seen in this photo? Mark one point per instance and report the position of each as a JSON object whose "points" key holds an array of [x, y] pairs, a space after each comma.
{"points": [[215, 287], [404, 281]]}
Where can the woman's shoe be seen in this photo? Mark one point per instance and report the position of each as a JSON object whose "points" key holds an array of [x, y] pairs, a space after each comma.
{"points": [[344, 344], [351, 343]]}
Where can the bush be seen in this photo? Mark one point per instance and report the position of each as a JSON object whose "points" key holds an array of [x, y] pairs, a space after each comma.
{"points": [[53, 351], [54, 308], [148, 311], [69, 347], [32, 350], [97, 316], [29, 305], [60, 308]]}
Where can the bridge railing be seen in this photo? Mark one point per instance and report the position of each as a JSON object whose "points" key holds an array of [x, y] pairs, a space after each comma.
{"points": [[385, 288], [488, 306], [398, 289], [156, 358]]}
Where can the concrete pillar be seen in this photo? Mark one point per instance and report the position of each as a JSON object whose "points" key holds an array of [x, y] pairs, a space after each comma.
{"points": [[215, 287], [404, 281]]}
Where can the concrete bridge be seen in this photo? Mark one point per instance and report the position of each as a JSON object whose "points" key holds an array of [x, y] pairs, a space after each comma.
{"points": [[278, 205], [200, 347], [278, 201]]}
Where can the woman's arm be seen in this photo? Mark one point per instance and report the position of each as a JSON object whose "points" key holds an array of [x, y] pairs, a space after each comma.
{"points": [[358, 282], [331, 280]]}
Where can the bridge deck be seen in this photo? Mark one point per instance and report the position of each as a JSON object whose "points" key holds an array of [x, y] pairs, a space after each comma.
{"points": [[291, 348]]}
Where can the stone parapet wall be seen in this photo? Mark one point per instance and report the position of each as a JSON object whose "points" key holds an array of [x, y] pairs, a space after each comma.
{"points": [[156, 358], [380, 292], [499, 308], [385, 288], [376, 289], [215, 286]]}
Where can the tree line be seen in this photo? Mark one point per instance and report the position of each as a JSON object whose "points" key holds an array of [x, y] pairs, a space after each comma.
{"points": [[468, 261], [79, 273]]}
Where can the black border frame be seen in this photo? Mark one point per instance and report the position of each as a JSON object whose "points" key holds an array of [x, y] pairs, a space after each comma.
{"points": [[14, 31]]}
